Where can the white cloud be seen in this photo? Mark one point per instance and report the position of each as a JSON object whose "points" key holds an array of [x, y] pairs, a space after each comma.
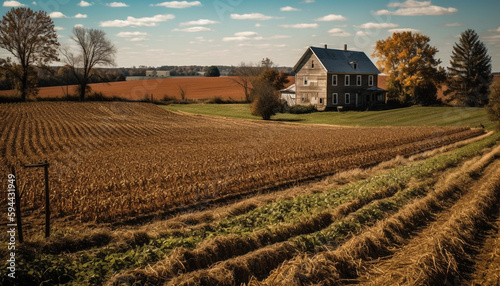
{"points": [[410, 4], [308, 1], [243, 36], [337, 32], [288, 9], [235, 39], [34, 3], [131, 34], [330, 18], [13, 4], [280, 37], [301, 26], [193, 29], [362, 33], [400, 30], [178, 4], [419, 11], [138, 39], [138, 22], [258, 25], [453, 25], [117, 4], [84, 4], [371, 25], [57, 15], [57, 28], [200, 22], [81, 16], [78, 26], [246, 34], [201, 40], [251, 16]]}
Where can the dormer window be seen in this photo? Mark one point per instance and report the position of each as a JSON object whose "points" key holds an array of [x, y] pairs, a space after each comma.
{"points": [[354, 65]]}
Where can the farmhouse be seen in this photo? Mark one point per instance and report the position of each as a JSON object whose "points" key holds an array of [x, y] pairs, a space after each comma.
{"points": [[329, 78]]}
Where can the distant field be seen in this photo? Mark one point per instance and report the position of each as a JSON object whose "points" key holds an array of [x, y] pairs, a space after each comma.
{"points": [[194, 88], [410, 116]]}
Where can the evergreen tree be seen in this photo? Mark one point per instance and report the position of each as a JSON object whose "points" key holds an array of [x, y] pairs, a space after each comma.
{"points": [[470, 71]]}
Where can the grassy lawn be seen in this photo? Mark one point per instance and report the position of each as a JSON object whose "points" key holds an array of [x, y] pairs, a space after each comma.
{"points": [[409, 116]]}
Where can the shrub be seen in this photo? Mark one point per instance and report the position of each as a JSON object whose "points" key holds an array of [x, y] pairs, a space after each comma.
{"points": [[493, 106], [301, 109], [266, 102]]}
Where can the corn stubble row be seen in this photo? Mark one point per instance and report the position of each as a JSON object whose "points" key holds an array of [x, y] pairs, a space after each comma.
{"points": [[110, 161]]}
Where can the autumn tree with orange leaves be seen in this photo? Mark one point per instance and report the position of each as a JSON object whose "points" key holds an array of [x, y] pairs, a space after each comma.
{"points": [[409, 60]]}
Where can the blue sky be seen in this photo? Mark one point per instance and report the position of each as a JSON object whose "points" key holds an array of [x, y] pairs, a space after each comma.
{"points": [[228, 32]]}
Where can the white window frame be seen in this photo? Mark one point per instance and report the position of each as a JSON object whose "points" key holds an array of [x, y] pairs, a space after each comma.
{"points": [[335, 80], [347, 80], [359, 80], [335, 98], [347, 98], [370, 80]]}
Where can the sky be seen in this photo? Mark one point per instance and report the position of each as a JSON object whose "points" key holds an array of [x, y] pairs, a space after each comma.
{"points": [[229, 32]]}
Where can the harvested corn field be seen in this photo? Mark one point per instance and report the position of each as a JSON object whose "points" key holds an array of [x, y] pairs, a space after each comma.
{"points": [[114, 161], [177, 199]]}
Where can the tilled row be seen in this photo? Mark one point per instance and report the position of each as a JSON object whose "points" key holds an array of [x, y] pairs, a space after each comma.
{"points": [[345, 263]]}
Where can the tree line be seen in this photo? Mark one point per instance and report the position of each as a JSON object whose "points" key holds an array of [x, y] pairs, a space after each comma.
{"points": [[414, 74], [31, 38]]}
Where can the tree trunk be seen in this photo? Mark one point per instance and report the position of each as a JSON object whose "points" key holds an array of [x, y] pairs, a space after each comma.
{"points": [[83, 89], [24, 85]]}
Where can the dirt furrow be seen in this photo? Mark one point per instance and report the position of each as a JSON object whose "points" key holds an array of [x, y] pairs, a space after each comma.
{"points": [[378, 241], [486, 269]]}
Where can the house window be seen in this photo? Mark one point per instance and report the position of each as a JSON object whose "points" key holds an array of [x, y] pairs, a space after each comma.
{"points": [[380, 97], [335, 98], [355, 65], [347, 81], [312, 64], [347, 98], [305, 81], [370, 80], [358, 80], [321, 101], [334, 80]]}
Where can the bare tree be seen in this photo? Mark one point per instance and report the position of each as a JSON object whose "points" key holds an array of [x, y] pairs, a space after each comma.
{"points": [[246, 74], [96, 50], [30, 36]]}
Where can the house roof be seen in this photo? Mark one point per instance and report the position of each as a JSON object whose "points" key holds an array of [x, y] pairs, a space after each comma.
{"points": [[290, 89], [341, 61]]}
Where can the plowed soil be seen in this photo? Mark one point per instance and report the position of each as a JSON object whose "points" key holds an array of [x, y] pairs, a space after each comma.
{"points": [[194, 88]]}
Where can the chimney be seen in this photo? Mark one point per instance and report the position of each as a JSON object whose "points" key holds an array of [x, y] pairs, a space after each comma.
{"points": [[345, 47], [326, 46]]}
